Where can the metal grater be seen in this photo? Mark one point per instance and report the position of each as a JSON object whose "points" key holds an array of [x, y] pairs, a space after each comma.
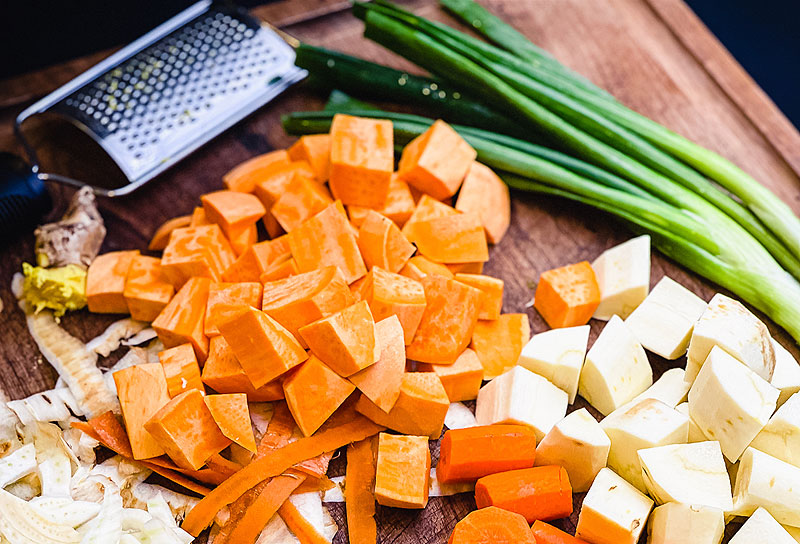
{"points": [[169, 92]]}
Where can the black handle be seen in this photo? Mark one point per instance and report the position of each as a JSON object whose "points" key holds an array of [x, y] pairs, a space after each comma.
{"points": [[24, 198]]}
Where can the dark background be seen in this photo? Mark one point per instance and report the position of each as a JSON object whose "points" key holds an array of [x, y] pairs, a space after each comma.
{"points": [[762, 34]]}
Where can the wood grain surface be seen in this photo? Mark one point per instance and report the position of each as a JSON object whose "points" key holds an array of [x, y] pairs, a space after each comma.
{"points": [[654, 55]]}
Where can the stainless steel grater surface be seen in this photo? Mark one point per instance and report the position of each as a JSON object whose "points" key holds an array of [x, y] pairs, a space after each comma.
{"points": [[169, 92]]}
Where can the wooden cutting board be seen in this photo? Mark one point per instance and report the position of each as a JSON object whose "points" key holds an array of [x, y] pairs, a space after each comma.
{"points": [[654, 55]]}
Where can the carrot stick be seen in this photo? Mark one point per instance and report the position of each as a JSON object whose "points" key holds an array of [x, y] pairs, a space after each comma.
{"points": [[492, 525], [359, 495], [358, 428], [547, 534], [537, 493], [302, 529]]}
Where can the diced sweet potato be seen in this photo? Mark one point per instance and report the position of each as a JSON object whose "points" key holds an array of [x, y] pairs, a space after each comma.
{"points": [[242, 238], [162, 234], [223, 373], [313, 393], [461, 380], [498, 343], [182, 320], [199, 218], [244, 177], [427, 208], [225, 299], [382, 244], [280, 269], [256, 260], [302, 299], [491, 293], [232, 415], [327, 240], [196, 252], [263, 347], [436, 161], [567, 296], [402, 471], [272, 187], [465, 268], [315, 149], [451, 311], [186, 430], [232, 210], [392, 294], [485, 195], [181, 369], [345, 341], [303, 198], [105, 282], [453, 239], [418, 267], [399, 205], [142, 391], [420, 408], [381, 382], [146, 291], [362, 160]]}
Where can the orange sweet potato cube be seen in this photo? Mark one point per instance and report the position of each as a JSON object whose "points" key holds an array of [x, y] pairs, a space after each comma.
{"points": [[182, 320], [402, 471], [181, 369], [244, 176], [146, 291], [315, 149], [196, 252], [242, 238], [263, 347], [275, 184], [427, 208], [362, 160], [161, 236], [186, 430], [280, 269], [223, 373], [436, 161], [462, 380], [420, 408], [142, 391], [382, 244], [456, 238], [327, 239], [232, 415], [567, 296], [381, 382], [232, 210], [198, 218], [418, 267], [484, 195], [392, 294], [105, 282], [313, 393], [498, 343], [451, 311], [225, 299], [399, 205], [302, 198], [345, 341], [256, 259], [465, 268], [492, 293]]}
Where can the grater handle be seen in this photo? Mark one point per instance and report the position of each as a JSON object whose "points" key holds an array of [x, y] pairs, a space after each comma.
{"points": [[24, 198]]}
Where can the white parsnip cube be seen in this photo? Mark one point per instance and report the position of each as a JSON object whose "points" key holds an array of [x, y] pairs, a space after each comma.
{"points": [[726, 323], [764, 481], [730, 403], [522, 397], [613, 512], [761, 528], [616, 369], [623, 275], [687, 473], [671, 388], [781, 436], [578, 444], [695, 433], [647, 424], [558, 355], [677, 522], [786, 377]]}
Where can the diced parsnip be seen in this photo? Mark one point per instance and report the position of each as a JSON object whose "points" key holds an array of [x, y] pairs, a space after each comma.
{"points": [[520, 396], [695, 432], [761, 527], [786, 376], [730, 402], [728, 324], [688, 473], [686, 523], [671, 388], [616, 369], [763, 480], [663, 323], [613, 511], [647, 424], [781, 436], [558, 355], [623, 274], [578, 444]]}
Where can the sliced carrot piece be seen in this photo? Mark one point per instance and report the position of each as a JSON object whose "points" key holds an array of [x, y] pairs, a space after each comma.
{"points": [[452, 239], [465, 268], [232, 210], [567, 296], [427, 208], [181, 320], [163, 232], [280, 269], [491, 293], [402, 471], [461, 380], [313, 393], [362, 160], [418, 267], [146, 291], [451, 312], [498, 343], [244, 177], [232, 415], [359, 495], [315, 149], [242, 238], [345, 341], [196, 252], [381, 382], [224, 299], [181, 369], [420, 408], [436, 161], [256, 260], [468, 454], [485, 195], [304, 298], [399, 205], [263, 347], [547, 534], [326, 239], [492, 525], [303, 198], [223, 373], [186, 430], [142, 391], [542, 493], [105, 282], [199, 218], [382, 244]]}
